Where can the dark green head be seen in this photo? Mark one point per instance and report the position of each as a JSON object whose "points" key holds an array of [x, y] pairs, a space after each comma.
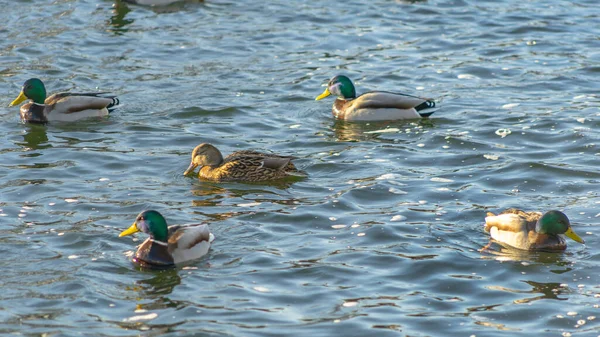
{"points": [[554, 223], [150, 222], [340, 86], [33, 89]]}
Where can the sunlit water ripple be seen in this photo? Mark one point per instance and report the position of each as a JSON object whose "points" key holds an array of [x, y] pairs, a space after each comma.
{"points": [[381, 239]]}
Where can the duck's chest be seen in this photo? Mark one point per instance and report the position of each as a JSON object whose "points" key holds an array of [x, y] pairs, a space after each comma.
{"points": [[33, 113], [153, 255], [338, 110], [214, 173]]}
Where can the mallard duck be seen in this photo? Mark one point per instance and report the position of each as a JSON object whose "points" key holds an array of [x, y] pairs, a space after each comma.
{"points": [[248, 165], [374, 105], [531, 230], [64, 107], [168, 246]]}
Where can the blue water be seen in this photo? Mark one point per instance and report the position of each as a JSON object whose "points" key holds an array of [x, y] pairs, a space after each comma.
{"points": [[381, 239]]}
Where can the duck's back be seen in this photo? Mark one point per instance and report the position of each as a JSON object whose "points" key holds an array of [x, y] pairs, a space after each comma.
{"points": [[189, 242], [250, 166], [380, 105], [290, 167]]}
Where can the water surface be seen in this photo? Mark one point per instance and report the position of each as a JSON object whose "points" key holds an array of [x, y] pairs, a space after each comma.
{"points": [[382, 239]]}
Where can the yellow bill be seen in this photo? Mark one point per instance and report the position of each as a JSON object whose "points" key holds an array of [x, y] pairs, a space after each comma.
{"points": [[19, 99], [191, 168], [569, 233], [323, 95], [130, 230]]}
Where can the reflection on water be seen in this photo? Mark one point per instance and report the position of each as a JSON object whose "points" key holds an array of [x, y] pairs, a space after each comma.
{"points": [[117, 22], [162, 6], [35, 137], [548, 290], [383, 233], [519, 255], [357, 131], [161, 283], [242, 196]]}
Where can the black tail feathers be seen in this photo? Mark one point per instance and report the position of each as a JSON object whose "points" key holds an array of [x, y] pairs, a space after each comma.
{"points": [[113, 104], [425, 105]]}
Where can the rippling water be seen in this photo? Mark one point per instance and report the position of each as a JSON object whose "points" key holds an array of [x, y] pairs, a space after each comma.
{"points": [[381, 239]]}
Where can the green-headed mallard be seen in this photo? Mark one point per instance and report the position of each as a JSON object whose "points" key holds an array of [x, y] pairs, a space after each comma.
{"points": [[63, 107], [248, 165], [531, 230], [170, 245], [374, 105]]}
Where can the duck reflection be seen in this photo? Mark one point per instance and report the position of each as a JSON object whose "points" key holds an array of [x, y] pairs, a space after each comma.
{"points": [[240, 196], [35, 137], [159, 6], [118, 21], [161, 283], [518, 255], [354, 132], [548, 290], [213, 194]]}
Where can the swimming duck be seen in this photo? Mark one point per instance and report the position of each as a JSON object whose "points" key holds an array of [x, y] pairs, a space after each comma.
{"points": [[374, 105], [65, 107], [531, 230], [168, 246], [248, 165]]}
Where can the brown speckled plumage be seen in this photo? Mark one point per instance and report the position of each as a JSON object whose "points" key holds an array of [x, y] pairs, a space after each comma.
{"points": [[247, 165]]}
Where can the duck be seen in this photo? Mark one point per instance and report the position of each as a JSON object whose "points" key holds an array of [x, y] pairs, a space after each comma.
{"points": [[63, 107], [532, 231], [168, 245], [373, 105], [244, 166]]}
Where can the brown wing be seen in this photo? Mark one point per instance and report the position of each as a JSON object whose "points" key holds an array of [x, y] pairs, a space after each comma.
{"points": [[246, 153], [276, 163], [508, 222], [187, 236], [272, 161], [528, 216], [243, 168]]}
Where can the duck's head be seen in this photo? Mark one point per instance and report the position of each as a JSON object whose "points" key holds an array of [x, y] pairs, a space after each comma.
{"points": [[150, 222], [340, 86], [33, 89], [554, 223], [204, 155]]}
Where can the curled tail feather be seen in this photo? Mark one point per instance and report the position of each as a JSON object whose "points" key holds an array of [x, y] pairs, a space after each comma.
{"points": [[113, 104], [428, 104]]}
